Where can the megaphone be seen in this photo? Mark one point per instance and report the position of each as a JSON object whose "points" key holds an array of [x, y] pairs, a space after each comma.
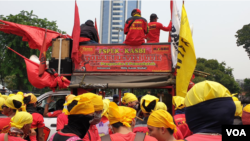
{"points": [[35, 59]]}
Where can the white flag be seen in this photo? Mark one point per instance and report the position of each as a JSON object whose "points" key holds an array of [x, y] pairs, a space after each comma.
{"points": [[176, 18]]}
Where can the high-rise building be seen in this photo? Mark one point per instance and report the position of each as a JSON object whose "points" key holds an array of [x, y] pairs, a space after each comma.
{"points": [[114, 14]]}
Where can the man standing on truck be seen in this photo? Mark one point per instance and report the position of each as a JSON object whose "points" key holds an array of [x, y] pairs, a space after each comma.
{"points": [[136, 28], [88, 33], [154, 29]]}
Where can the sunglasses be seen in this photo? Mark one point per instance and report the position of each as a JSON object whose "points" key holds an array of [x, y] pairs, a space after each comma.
{"points": [[4, 106]]}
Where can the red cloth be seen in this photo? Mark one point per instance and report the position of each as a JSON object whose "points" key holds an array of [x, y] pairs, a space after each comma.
{"points": [[141, 129], [180, 122], [55, 113], [4, 125], [33, 138], [33, 35], [62, 120], [84, 39], [136, 32], [38, 121], [11, 138], [76, 37], [104, 119], [128, 137], [93, 132], [154, 31], [245, 118], [97, 30], [178, 135], [199, 137], [34, 79], [46, 80], [42, 57]]}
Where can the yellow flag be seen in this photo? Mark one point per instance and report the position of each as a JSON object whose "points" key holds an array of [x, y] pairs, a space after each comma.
{"points": [[186, 59]]}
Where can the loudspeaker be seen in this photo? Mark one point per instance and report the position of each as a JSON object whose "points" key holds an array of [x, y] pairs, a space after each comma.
{"points": [[65, 48], [66, 66]]}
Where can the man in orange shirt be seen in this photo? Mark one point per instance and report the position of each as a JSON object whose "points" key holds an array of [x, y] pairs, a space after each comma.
{"points": [[154, 29]]}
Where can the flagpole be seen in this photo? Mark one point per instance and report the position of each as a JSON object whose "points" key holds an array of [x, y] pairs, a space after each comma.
{"points": [[21, 55], [15, 52]]}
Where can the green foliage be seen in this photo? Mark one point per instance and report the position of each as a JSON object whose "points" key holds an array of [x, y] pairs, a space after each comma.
{"points": [[218, 72], [247, 85], [9, 80], [243, 36], [12, 64]]}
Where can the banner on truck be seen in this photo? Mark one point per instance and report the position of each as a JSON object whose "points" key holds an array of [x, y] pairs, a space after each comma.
{"points": [[123, 58]]}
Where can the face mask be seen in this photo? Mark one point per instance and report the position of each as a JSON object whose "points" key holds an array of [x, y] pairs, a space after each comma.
{"points": [[136, 107], [96, 119]]}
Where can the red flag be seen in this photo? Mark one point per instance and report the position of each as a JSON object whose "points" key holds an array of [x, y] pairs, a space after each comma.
{"points": [[33, 35], [171, 8], [42, 57], [76, 37], [46, 80], [97, 31]]}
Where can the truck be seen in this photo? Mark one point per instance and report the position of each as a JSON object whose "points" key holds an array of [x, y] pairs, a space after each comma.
{"points": [[146, 68]]}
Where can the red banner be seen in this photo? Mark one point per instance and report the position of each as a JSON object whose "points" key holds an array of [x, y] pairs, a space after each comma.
{"points": [[123, 58]]}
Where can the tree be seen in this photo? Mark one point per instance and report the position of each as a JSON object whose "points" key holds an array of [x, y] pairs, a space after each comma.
{"points": [[243, 38], [12, 64], [247, 86], [9, 81], [218, 72]]}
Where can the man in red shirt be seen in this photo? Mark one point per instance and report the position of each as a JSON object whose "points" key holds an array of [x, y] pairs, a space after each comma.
{"points": [[59, 108], [161, 125], [10, 106], [135, 27], [154, 29], [179, 117], [122, 121], [62, 119]]}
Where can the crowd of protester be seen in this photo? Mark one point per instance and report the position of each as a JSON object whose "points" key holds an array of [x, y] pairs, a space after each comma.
{"points": [[89, 117]]}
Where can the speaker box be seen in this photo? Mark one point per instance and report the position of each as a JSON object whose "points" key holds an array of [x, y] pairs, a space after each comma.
{"points": [[65, 49], [66, 66]]}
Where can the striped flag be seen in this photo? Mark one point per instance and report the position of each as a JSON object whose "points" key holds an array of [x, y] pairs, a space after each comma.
{"points": [[175, 31]]}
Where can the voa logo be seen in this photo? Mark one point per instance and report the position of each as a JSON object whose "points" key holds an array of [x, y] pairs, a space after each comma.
{"points": [[236, 132]]}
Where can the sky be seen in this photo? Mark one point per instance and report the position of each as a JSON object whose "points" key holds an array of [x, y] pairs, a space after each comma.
{"points": [[215, 23]]}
